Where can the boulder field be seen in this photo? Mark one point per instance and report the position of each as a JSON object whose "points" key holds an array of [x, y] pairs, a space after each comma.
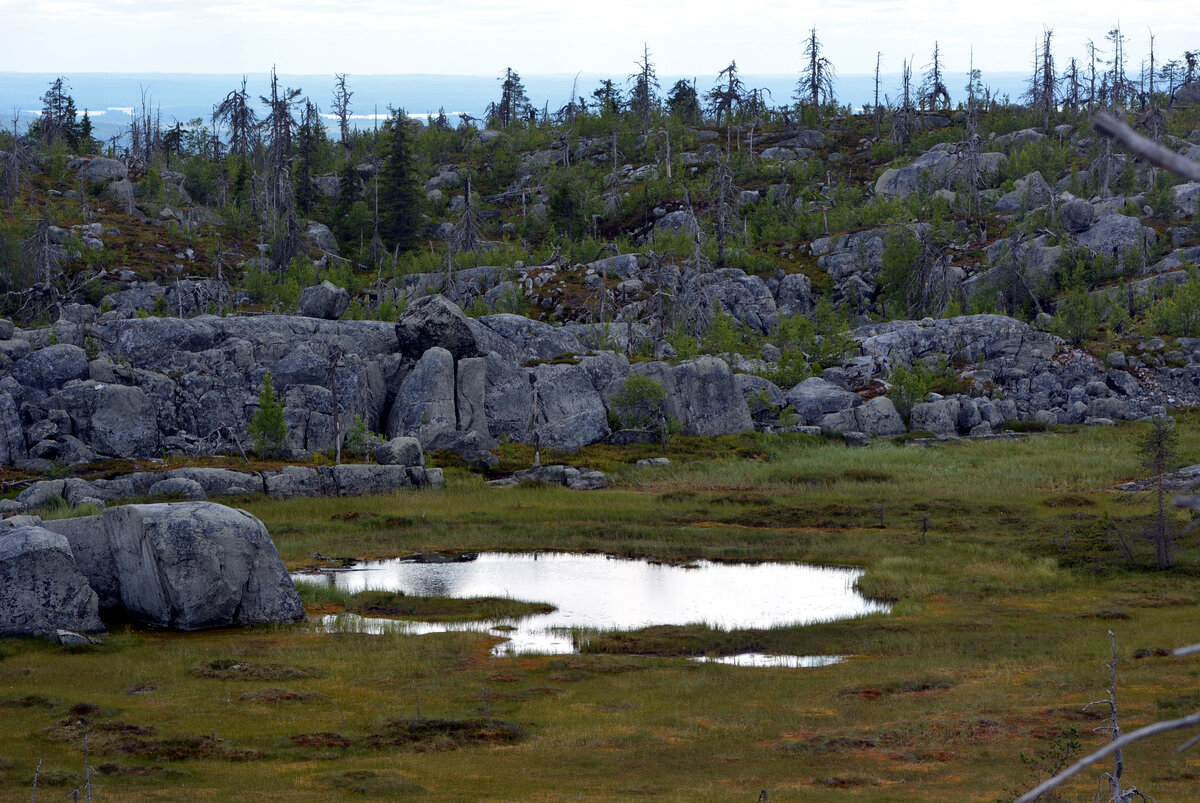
{"points": [[191, 385]]}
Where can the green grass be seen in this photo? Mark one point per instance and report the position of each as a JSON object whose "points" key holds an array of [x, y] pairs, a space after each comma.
{"points": [[1008, 562], [397, 604]]}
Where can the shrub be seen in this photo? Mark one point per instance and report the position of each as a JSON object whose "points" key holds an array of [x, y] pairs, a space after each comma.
{"points": [[1075, 317], [641, 403], [1179, 313]]}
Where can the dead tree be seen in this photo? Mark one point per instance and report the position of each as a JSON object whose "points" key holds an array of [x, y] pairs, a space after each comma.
{"points": [[902, 118], [933, 88], [723, 209], [335, 357], [341, 108], [1113, 728], [644, 97], [236, 113]]}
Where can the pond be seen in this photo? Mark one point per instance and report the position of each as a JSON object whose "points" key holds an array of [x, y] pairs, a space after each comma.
{"points": [[600, 592]]}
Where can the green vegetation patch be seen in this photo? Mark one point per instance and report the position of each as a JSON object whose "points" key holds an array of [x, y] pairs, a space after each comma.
{"points": [[238, 669], [441, 609], [438, 735]]}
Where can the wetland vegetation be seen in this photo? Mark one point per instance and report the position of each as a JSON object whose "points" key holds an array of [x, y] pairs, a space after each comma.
{"points": [[1006, 563]]}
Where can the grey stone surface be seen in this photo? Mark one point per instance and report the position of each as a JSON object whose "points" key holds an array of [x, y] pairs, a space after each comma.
{"points": [[41, 590], [939, 417], [115, 420], [435, 321], [815, 398], [400, 452], [178, 486], [702, 395], [325, 300], [424, 405], [102, 169], [1077, 216], [51, 367], [1113, 234], [1028, 193], [198, 565], [878, 417]]}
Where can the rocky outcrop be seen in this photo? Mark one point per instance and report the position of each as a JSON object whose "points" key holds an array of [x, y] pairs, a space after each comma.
{"points": [[111, 419], [701, 395], [938, 167]]}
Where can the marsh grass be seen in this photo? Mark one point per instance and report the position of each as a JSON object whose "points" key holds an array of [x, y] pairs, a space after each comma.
{"points": [[995, 642]]}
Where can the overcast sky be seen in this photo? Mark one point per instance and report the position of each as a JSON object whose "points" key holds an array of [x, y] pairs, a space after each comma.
{"points": [[480, 37]]}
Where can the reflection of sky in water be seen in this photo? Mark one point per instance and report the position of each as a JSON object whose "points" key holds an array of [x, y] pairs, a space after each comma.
{"points": [[596, 591]]}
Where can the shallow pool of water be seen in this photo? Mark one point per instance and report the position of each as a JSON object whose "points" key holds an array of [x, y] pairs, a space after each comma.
{"points": [[599, 592]]}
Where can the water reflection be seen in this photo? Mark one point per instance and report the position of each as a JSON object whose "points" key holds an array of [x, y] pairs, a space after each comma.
{"points": [[605, 593]]}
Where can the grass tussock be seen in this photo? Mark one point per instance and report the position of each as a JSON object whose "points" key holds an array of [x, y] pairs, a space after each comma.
{"points": [[238, 669], [439, 735]]}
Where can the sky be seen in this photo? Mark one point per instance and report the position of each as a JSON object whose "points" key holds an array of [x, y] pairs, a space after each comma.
{"points": [[482, 37]]}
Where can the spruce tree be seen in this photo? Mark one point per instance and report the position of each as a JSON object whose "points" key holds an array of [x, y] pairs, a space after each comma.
{"points": [[399, 203], [268, 429]]}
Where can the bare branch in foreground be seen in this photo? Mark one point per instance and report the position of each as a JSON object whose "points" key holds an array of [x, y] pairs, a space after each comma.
{"points": [[1145, 149], [1190, 721]]}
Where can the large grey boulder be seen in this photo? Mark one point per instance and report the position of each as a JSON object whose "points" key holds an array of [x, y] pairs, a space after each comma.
{"points": [[424, 405], [1077, 216], [939, 417], [1187, 199], [1114, 234], [93, 557], [12, 439], [102, 169], [508, 397], [51, 367], [325, 300], [763, 398], [434, 321], [746, 298], [470, 389], [114, 420], [360, 480], [794, 295], [291, 482], [879, 417], [1027, 193], [41, 590], [815, 398], [935, 168], [683, 222], [520, 339], [400, 452], [198, 565], [319, 235]]}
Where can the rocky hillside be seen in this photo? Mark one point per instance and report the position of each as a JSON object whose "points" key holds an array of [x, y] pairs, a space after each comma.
{"points": [[972, 274]]}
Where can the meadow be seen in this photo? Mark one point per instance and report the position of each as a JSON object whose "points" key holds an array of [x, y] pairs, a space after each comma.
{"points": [[1007, 563]]}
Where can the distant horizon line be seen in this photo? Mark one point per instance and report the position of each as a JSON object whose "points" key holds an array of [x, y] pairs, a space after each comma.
{"points": [[455, 75]]}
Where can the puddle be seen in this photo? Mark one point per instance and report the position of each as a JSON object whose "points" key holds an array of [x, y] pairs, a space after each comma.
{"points": [[599, 592], [758, 659]]}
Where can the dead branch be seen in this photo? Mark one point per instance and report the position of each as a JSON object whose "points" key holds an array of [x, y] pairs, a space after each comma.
{"points": [[1145, 149], [1190, 721]]}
